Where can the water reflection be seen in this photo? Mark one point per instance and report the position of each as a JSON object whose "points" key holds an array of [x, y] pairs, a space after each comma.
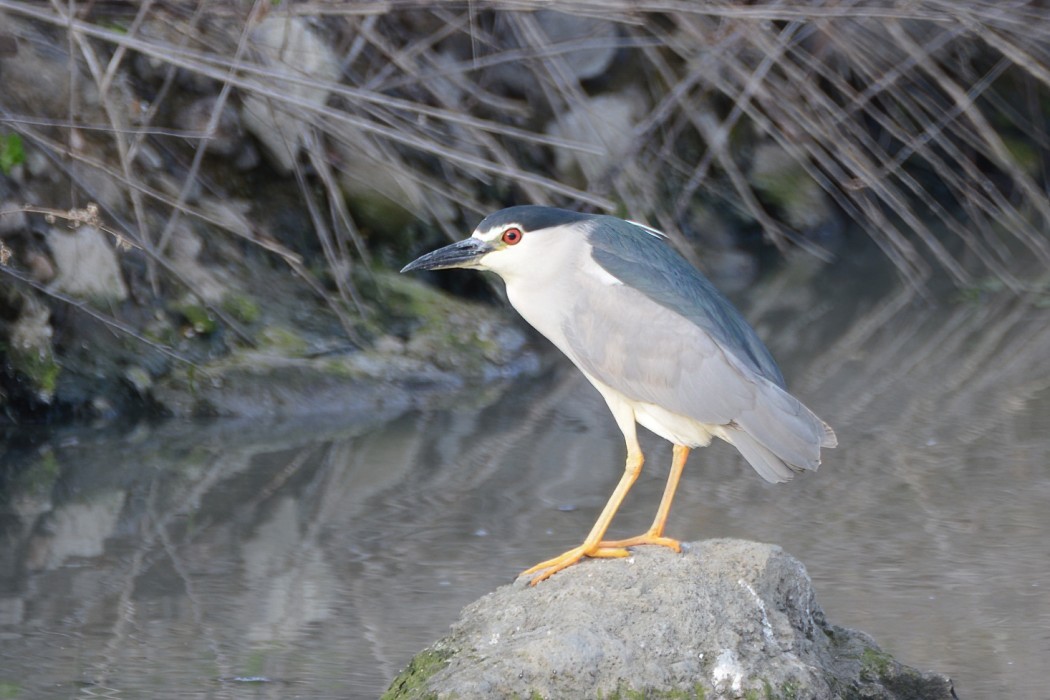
{"points": [[236, 559]]}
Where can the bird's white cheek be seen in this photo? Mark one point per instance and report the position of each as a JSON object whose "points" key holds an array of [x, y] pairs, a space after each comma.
{"points": [[494, 262], [512, 261]]}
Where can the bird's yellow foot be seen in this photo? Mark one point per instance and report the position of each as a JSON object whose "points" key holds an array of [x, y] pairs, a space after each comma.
{"points": [[564, 561], [647, 538]]}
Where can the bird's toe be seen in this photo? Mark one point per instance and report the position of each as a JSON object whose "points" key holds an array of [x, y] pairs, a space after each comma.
{"points": [[647, 538], [546, 569]]}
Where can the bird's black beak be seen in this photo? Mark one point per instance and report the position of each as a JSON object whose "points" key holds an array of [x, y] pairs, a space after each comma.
{"points": [[460, 254]]}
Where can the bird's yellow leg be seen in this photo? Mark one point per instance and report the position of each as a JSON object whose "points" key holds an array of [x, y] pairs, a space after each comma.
{"points": [[655, 534], [592, 546]]}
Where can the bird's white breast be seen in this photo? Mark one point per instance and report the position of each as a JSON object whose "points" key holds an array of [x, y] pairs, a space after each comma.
{"points": [[545, 290]]}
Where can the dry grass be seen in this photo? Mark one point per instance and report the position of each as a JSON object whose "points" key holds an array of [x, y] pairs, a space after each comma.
{"points": [[925, 123]]}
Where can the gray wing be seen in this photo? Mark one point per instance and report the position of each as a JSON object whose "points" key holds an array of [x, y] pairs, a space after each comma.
{"points": [[629, 339], [648, 264]]}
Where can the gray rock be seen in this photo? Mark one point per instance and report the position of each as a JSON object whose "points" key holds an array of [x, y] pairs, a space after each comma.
{"points": [[727, 618], [12, 219], [228, 136], [598, 35], [604, 125], [39, 76], [184, 257], [783, 180], [584, 46], [382, 196], [29, 349], [86, 264], [302, 63]]}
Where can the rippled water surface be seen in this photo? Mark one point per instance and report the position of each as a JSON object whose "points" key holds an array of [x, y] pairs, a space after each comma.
{"points": [[314, 558]]}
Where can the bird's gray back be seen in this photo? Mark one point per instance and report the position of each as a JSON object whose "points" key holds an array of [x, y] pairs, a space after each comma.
{"points": [[649, 265]]}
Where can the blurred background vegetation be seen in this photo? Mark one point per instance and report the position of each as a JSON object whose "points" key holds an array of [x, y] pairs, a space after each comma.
{"points": [[187, 183]]}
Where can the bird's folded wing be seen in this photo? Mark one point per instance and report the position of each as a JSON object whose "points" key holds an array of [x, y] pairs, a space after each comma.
{"points": [[649, 265], [649, 353]]}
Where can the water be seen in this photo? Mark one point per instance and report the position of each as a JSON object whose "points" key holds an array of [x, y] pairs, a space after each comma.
{"points": [[313, 559]]}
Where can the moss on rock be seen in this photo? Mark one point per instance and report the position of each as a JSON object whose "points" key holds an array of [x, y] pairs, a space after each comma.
{"points": [[411, 683]]}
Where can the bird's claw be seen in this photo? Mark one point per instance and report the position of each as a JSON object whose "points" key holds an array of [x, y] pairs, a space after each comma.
{"points": [[563, 561]]}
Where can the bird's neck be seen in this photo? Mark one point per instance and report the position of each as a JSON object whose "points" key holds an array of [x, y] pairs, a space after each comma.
{"points": [[544, 303]]}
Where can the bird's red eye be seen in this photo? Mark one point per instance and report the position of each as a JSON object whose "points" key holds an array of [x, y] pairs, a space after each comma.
{"points": [[512, 236]]}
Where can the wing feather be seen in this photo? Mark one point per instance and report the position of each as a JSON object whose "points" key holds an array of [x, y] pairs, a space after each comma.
{"points": [[649, 265], [650, 354], [695, 357]]}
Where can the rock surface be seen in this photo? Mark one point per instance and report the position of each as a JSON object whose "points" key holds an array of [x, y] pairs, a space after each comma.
{"points": [[606, 124], [302, 63], [727, 618], [87, 264]]}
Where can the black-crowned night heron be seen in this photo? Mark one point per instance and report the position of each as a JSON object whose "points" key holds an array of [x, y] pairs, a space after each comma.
{"points": [[656, 339]]}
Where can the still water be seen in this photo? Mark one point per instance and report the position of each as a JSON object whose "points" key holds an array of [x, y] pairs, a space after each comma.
{"points": [[313, 558]]}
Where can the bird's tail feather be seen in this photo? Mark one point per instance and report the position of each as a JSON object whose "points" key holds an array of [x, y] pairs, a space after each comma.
{"points": [[780, 436], [768, 465], [829, 439]]}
